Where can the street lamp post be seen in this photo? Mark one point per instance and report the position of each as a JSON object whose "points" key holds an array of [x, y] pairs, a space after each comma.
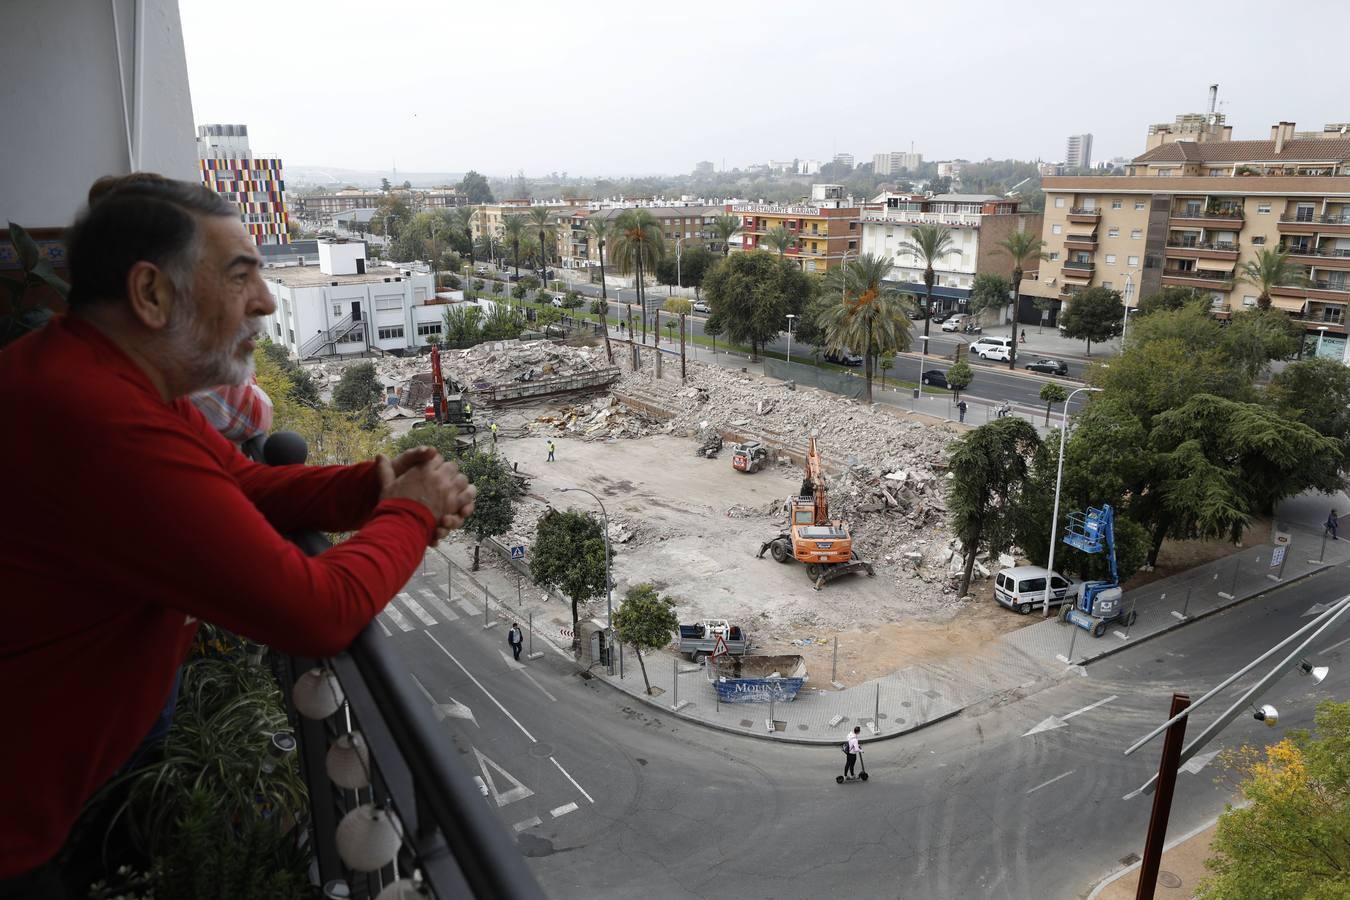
{"points": [[609, 591], [1321, 330], [679, 246], [1059, 478], [790, 317], [1129, 290], [923, 354]]}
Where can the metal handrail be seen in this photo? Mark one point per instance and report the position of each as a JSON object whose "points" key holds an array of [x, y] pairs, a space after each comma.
{"points": [[1075, 264], [1084, 211], [1226, 246], [1225, 213], [450, 834]]}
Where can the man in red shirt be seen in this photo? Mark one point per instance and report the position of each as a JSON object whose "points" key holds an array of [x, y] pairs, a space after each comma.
{"points": [[128, 518]]}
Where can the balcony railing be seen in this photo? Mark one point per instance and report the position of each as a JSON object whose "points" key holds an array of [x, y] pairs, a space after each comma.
{"points": [[1307, 219], [1081, 239], [1208, 275], [1324, 252], [1222, 212], [1085, 211], [1082, 265], [447, 833], [1323, 284], [1226, 246]]}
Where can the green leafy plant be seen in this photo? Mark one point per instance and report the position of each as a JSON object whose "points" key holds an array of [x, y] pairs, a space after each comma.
{"points": [[1051, 394], [569, 553], [645, 622], [494, 507], [24, 312]]}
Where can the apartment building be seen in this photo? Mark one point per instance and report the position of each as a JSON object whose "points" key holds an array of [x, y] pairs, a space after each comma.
{"points": [[255, 184], [825, 229], [1191, 213], [323, 206], [895, 162], [977, 223], [342, 305], [1078, 151], [687, 223]]}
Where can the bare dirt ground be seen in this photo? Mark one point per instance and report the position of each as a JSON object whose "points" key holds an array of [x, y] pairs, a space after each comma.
{"points": [[684, 542]]}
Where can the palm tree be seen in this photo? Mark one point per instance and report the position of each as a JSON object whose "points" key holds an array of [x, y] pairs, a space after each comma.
{"points": [[539, 217], [513, 229], [463, 219], [870, 317], [601, 230], [637, 246], [779, 238], [726, 227], [929, 243], [1271, 269], [1023, 247]]}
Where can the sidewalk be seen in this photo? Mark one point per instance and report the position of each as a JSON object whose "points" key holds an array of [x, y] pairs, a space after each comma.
{"points": [[1182, 867], [1049, 342], [912, 696]]}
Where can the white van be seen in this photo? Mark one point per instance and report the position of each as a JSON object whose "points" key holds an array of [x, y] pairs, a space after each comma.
{"points": [[1023, 588], [995, 348]]}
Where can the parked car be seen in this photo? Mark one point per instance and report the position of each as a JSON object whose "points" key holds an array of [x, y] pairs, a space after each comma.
{"points": [[941, 315], [701, 306], [955, 322], [558, 302], [998, 349], [935, 377], [480, 270], [1023, 588], [852, 360], [1049, 367]]}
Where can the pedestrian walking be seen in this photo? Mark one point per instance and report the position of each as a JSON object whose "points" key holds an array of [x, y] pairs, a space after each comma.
{"points": [[516, 639], [1332, 524], [494, 434], [1024, 335], [551, 448], [961, 409], [851, 750]]}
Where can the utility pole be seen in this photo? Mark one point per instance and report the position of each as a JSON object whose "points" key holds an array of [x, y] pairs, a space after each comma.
{"points": [[1162, 799]]}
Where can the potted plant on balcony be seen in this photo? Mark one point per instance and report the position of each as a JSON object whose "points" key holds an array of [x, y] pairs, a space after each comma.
{"points": [[25, 309]]}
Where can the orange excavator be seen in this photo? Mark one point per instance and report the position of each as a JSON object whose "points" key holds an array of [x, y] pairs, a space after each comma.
{"points": [[811, 536]]}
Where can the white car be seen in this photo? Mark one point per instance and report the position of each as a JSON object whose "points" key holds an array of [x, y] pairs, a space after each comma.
{"points": [[955, 323], [998, 349], [701, 306], [558, 302]]}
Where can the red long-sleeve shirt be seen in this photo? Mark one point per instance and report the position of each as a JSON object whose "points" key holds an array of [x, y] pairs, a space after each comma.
{"points": [[126, 520]]}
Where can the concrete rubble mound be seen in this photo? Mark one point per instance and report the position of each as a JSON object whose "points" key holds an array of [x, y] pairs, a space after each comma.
{"points": [[602, 419], [504, 362]]}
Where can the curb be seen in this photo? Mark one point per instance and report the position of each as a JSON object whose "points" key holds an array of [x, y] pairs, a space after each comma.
{"points": [[1125, 870], [1175, 624]]}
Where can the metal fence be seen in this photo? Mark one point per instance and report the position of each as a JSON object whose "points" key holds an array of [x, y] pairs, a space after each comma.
{"points": [[811, 376]]}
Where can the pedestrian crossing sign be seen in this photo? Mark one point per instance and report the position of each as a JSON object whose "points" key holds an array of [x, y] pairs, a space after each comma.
{"points": [[719, 647], [518, 551]]}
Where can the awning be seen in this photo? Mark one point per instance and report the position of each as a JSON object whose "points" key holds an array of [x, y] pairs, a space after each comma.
{"points": [[1288, 304]]}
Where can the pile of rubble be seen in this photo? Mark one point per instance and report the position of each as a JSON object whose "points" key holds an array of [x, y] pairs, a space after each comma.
{"points": [[503, 362], [602, 419], [893, 482]]}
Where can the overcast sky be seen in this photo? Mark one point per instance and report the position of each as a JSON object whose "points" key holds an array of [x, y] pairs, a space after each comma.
{"points": [[617, 88]]}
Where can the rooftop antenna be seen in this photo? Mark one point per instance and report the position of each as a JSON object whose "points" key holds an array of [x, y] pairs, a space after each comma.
{"points": [[1213, 103]]}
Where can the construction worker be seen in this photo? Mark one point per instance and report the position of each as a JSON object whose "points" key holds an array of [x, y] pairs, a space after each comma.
{"points": [[550, 452], [494, 434], [468, 409]]}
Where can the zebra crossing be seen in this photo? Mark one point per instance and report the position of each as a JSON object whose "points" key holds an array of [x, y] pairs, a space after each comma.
{"points": [[406, 613]]}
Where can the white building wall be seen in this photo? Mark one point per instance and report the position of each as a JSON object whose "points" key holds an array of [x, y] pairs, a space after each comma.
{"points": [[954, 270], [303, 312], [89, 92]]}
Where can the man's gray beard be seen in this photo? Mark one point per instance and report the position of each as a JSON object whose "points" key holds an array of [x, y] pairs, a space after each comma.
{"points": [[199, 364]]}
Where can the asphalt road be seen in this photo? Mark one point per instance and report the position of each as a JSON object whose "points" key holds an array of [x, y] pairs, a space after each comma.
{"points": [[610, 798]]}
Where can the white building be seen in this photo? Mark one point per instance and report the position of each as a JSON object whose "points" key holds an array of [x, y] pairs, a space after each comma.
{"points": [[344, 306], [845, 158], [1078, 151], [809, 167], [977, 223], [895, 162]]}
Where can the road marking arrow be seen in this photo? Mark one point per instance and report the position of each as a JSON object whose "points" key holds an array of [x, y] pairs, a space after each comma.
{"points": [[510, 662], [1052, 722], [1316, 608], [1198, 762], [517, 792], [452, 710]]}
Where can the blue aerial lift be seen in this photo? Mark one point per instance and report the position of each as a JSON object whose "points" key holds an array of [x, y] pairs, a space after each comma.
{"points": [[1100, 602]]}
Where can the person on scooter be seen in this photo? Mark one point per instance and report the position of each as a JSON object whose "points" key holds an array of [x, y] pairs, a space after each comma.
{"points": [[854, 748]]}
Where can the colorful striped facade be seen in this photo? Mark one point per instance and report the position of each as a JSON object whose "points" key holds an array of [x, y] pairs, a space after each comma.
{"points": [[256, 186]]}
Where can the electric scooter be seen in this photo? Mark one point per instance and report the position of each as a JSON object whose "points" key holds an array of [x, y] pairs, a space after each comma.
{"points": [[861, 776]]}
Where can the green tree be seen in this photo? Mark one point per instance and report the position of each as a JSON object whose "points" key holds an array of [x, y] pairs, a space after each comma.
{"points": [[475, 187], [871, 317], [600, 309], [959, 377], [572, 300], [1190, 324], [887, 362], [694, 265], [463, 323], [462, 217], [1044, 306], [569, 554], [725, 227], [1255, 337], [442, 437], [1292, 837], [541, 219], [712, 327], [637, 247], [1052, 393], [514, 227], [779, 239], [1316, 392], [678, 306], [1272, 268], [502, 324], [601, 230], [546, 317], [1172, 298], [1023, 247], [930, 243], [989, 292], [645, 621], [359, 389], [1093, 315], [751, 295], [385, 186], [989, 466], [518, 291], [494, 506]]}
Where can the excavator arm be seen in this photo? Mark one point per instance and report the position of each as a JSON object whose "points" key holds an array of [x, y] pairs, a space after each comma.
{"points": [[816, 477]]}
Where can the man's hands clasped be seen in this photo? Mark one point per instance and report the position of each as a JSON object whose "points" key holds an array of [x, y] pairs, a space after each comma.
{"points": [[421, 474]]}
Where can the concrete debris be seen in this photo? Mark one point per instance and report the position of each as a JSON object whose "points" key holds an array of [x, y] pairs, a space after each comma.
{"points": [[602, 419], [774, 508], [502, 362]]}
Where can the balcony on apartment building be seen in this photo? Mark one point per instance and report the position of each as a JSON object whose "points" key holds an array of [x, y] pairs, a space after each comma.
{"points": [[1324, 256], [1189, 248], [916, 217], [1212, 279], [1216, 215], [1303, 222], [1074, 268], [1068, 291], [1322, 313], [1082, 215], [1081, 241]]}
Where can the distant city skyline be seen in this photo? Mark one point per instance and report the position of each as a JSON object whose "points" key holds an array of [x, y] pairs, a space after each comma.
{"points": [[513, 86]]}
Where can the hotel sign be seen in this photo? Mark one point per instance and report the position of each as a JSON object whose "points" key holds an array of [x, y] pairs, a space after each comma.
{"points": [[774, 210]]}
